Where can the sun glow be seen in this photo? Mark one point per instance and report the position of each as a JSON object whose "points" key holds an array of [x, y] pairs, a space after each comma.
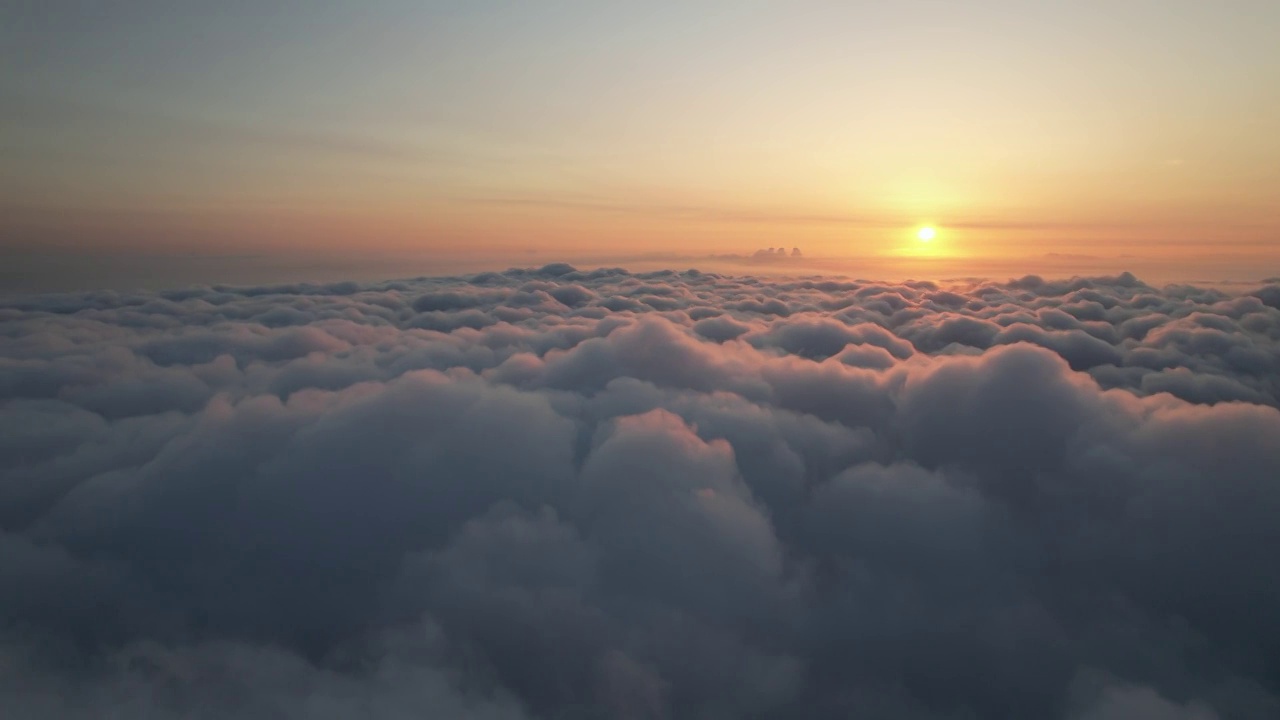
{"points": [[923, 242]]}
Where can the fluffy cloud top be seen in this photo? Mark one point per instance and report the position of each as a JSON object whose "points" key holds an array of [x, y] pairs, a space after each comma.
{"points": [[562, 494]]}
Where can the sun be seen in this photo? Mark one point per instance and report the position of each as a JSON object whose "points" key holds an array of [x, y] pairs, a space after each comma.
{"points": [[923, 242]]}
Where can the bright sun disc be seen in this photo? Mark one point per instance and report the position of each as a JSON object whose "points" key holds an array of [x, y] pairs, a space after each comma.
{"points": [[926, 234]]}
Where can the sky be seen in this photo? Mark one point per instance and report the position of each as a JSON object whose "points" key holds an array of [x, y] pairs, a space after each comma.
{"points": [[1033, 136]]}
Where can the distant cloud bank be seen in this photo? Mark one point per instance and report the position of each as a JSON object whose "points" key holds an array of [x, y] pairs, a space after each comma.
{"points": [[562, 494], [778, 253]]}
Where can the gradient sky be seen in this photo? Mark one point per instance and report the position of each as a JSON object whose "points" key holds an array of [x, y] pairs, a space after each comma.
{"points": [[1125, 129]]}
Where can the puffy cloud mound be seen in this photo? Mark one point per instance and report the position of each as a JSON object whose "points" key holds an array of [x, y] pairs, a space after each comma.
{"points": [[556, 493]]}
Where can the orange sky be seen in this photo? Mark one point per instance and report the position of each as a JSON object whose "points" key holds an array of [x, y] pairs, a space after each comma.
{"points": [[1135, 132]]}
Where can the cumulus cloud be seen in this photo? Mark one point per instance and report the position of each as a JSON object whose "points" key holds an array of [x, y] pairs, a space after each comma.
{"points": [[775, 254], [553, 493]]}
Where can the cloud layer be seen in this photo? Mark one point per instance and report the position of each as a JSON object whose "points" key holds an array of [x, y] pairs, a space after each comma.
{"points": [[562, 494]]}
